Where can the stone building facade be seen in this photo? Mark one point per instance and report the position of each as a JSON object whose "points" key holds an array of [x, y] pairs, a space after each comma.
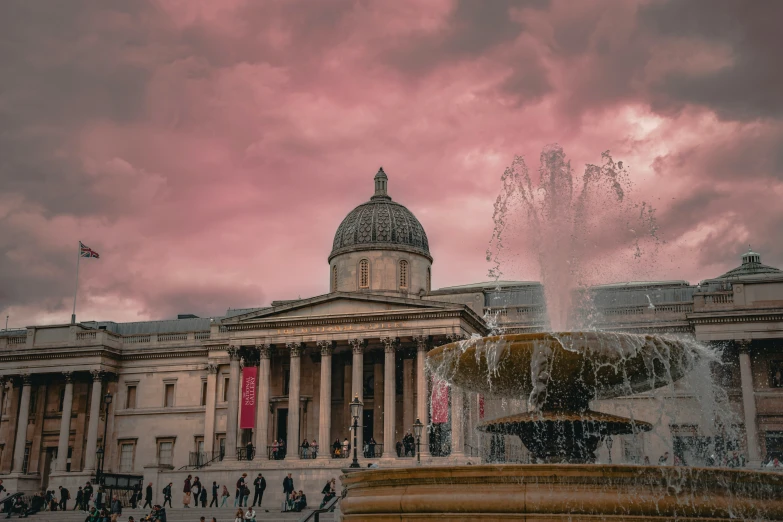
{"points": [[175, 385]]}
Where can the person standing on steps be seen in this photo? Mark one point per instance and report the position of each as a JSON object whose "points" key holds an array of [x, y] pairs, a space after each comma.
{"points": [[203, 497], [186, 490], [148, 496], [288, 488], [64, 496], [215, 490], [79, 499], [260, 485]]}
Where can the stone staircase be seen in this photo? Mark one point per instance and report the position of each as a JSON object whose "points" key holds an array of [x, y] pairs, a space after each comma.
{"points": [[180, 515]]}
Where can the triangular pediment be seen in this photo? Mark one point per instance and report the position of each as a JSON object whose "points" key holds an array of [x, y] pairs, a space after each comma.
{"points": [[339, 303]]}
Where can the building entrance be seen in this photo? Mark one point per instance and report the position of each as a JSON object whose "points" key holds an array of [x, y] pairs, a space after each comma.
{"points": [[282, 425]]}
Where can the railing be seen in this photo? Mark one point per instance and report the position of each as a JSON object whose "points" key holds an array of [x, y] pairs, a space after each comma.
{"points": [[314, 515], [373, 451], [275, 452], [133, 339], [471, 451], [173, 337], [199, 459], [719, 298], [200, 336], [84, 336], [246, 453], [17, 340], [310, 452]]}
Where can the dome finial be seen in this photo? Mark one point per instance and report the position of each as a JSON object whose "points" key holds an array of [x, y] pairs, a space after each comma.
{"points": [[381, 181]]}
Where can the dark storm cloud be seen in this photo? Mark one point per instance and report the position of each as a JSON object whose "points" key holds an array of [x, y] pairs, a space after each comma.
{"points": [[750, 88]]}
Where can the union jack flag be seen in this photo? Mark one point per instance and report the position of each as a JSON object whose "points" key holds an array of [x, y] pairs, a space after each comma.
{"points": [[86, 251]]}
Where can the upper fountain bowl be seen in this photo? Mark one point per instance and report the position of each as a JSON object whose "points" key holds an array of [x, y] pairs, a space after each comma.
{"points": [[565, 370]]}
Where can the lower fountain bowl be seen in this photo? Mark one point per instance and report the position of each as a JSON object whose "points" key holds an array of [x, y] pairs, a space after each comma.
{"points": [[560, 492]]}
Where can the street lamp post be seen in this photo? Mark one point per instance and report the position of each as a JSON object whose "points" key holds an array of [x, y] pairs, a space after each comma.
{"points": [[356, 406], [417, 427], [101, 453], [609, 443]]}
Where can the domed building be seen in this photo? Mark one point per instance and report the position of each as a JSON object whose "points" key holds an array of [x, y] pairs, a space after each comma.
{"points": [[244, 390], [380, 247]]}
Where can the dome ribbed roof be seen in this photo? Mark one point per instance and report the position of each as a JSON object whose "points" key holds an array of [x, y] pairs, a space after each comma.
{"points": [[380, 223], [751, 266]]}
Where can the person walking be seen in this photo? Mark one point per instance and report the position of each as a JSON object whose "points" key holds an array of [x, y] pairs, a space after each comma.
{"points": [[65, 495], [166, 494], [288, 488], [215, 489], [79, 499], [259, 484], [226, 495], [148, 496], [87, 496]]}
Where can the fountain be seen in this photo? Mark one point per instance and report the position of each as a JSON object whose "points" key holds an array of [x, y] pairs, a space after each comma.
{"points": [[560, 373]]}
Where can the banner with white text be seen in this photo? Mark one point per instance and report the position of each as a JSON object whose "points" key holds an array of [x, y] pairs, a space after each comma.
{"points": [[247, 411]]}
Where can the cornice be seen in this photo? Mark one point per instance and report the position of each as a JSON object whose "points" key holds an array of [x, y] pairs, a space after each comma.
{"points": [[743, 316], [37, 354], [159, 411], [384, 316], [141, 355]]}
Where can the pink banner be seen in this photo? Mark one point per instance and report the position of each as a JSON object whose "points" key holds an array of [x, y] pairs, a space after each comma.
{"points": [[440, 401], [247, 410]]}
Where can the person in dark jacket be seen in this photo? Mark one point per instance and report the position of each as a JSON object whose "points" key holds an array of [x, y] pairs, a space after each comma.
{"points": [[64, 496], [148, 496], [116, 506], [79, 499], [215, 491], [288, 488], [203, 497], [87, 496], [167, 495], [260, 485]]}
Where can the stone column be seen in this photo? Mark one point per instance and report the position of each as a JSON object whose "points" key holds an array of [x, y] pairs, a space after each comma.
{"points": [[65, 424], [21, 426], [422, 395], [2, 396], [262, 404], [357, 388], [408, 406], [389, 398], [292, 445], [92, 425], [457, 416], [209, 410], [749, 404], [325, 406], [232, 414]]}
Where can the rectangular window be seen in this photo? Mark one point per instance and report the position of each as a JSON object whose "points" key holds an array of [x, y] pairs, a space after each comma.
{"points": [[130, 397], [204, 393], [168, 399], [222, 445], [165, 453], [33, 400], [286, 379], [225, 389], [126, 457], [776, 374]]}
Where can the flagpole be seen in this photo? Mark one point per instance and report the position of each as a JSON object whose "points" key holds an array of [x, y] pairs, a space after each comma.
{"points": [[76, 286]]}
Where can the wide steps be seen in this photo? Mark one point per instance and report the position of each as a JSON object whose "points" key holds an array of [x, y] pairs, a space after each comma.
{"points": [[178, 515]]}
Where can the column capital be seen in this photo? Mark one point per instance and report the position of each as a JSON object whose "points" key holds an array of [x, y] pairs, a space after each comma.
{"points": [[389, 344], [26, 379], [68, 377], [212, 368], [357, 345], [233, 352], [326, 347], [295, 349], [421, 342], [743, 345], [97, 375], [454, 337], [264, 351]]}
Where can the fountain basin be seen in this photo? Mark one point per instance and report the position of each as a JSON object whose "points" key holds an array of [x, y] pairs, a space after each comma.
{"points": [[572, 367], [557, 492]]}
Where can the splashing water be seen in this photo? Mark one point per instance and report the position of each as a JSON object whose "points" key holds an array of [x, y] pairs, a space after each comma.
{"points": [[570, 227]]}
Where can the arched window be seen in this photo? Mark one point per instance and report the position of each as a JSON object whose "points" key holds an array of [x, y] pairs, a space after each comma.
{"points": [[364, 274], [429, 278], [334, 278], [403, 274]]}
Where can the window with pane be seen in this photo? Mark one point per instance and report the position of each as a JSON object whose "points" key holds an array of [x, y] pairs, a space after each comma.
{"points": [[429, 278], [364, 274], [403, 274], [168, 400], [130, 397], [225, 389], [165, 452], [126, 457], [334, 278], [203, 393]]}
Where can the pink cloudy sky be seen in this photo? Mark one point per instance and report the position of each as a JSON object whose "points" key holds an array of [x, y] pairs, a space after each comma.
{"points": [[209, 150]]}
